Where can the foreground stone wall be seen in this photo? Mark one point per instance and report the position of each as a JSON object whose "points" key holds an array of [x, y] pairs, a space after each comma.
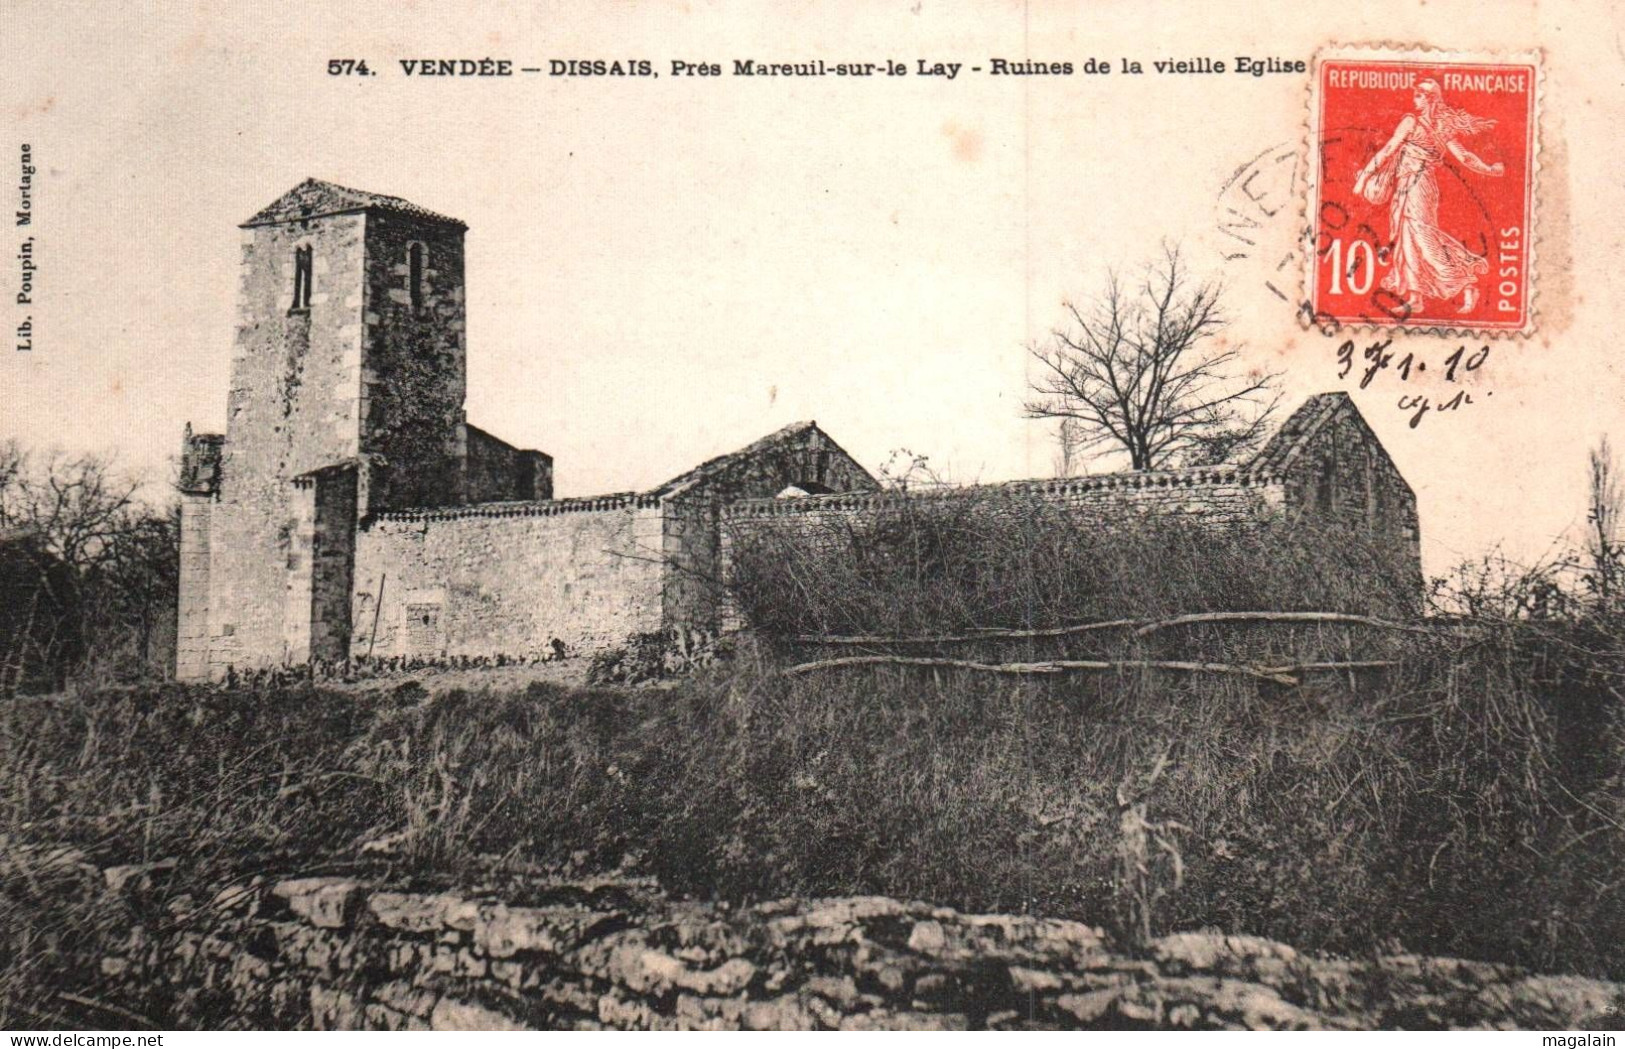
{"points": [[505, 579], [339, 953]]}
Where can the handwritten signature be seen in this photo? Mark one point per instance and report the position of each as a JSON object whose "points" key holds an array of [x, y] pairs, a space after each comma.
{"points": [[1420, 405], [1380, 356]]}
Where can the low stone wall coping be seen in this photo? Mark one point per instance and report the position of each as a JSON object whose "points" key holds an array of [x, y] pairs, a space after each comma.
{"points": [[525, 508]]}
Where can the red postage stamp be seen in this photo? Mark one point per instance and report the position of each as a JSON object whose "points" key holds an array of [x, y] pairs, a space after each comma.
{"points": [[1421, 194]]}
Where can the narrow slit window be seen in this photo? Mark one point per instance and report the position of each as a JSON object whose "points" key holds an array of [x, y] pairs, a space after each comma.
{"points": [[414, 277], [301, 277], [1326, 489]]}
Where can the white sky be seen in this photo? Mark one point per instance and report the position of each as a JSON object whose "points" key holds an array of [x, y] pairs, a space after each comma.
{"points": [[662, 270]]}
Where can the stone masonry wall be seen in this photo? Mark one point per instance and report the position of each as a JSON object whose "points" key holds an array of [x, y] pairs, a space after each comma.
{"points": [[321, 564], [1345, 476], [415, 377], [294, 406], [1220, 496], [347, 953], [505, 579], [801, 454], [496, 471], [192, 627]]}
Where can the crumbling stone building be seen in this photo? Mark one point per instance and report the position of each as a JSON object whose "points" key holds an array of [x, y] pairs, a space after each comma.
{"points": [[350, 509]]}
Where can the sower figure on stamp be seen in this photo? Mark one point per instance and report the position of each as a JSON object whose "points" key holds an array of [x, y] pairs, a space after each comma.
{"points": [[1426, 262]]}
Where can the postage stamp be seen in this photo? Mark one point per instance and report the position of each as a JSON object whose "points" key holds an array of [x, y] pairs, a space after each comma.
{"points": [[1422, 189]]}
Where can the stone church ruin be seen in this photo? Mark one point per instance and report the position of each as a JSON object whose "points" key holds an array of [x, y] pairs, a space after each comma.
{"points": [[351, 509]]}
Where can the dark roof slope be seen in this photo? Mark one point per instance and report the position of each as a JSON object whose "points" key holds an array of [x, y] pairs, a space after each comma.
{"points": [[313, 198], [476, 433], [721, 464], [1299, 429]]}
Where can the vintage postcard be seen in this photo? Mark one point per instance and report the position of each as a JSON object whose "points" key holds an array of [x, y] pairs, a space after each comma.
{"points": [[1008, 515]]}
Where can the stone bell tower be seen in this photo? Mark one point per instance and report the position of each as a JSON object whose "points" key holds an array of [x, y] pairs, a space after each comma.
{"points": [[347, 383]]}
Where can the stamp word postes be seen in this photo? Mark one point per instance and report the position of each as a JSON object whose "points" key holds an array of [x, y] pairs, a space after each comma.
{"points": [[1421, 190]]}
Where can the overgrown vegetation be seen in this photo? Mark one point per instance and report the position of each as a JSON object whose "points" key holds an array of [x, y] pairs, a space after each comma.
{"points": [[88, 573], [1464, 797], [997, 558]]}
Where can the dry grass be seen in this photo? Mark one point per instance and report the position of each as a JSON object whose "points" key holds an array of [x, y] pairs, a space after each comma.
{"points": [[1468, 802]]}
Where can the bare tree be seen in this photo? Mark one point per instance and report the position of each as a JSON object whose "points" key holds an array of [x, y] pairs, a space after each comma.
{"points": [[1606, 505], [89, 570], [1139, 371]]}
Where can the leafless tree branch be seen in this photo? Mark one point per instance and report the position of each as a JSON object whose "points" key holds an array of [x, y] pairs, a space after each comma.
{"points": [[1140, 371]]}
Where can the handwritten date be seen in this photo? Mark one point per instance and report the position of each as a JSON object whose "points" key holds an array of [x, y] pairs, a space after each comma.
{"points": [[1378, 356]]}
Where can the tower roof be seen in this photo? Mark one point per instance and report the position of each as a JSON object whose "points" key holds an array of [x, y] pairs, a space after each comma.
{"points": [[313, 198]]}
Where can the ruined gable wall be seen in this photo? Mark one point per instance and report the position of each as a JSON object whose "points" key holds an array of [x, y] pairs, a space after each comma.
{"points": [[496, 471], [294, 406], [505, 580], [692, 545], [1342, 474]]}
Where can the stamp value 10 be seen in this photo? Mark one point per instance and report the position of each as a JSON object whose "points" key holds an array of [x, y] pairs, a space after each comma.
{"points": [[1421, 192]]}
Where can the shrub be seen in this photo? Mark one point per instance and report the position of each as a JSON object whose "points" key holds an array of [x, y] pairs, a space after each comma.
{"points": [[991, 558]]}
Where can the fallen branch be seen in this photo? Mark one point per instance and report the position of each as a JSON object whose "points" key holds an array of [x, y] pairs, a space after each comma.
{"points": [[108, 1007], [1282, 675], [1141, 627], [1282, 617], [1353, 664], [1054, 666], [974, 634]]}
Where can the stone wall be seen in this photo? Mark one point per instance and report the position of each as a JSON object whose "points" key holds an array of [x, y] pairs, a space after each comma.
{"points": [[294, 406], [1222, 496], [1345, 476], [415, 374], [496, 471], [507, 578], [694, 590], [321, 562], [800, 454], [192, 589], [344, 953]]}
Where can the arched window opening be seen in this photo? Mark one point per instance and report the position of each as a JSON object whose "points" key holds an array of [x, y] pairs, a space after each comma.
{"points": [[302, 277], [414, 274]]}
